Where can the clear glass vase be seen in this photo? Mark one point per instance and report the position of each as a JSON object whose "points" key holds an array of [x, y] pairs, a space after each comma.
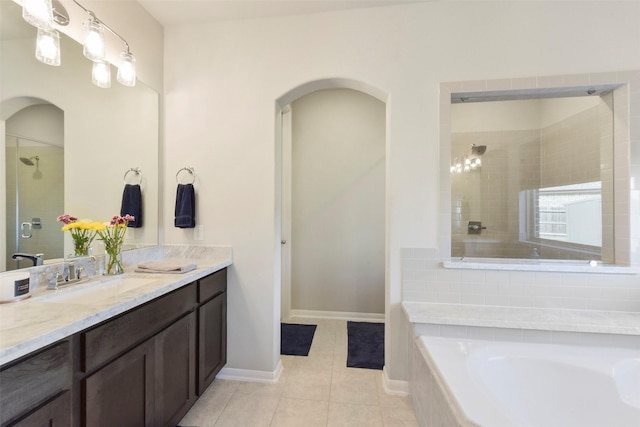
{"points": [[113, 263], [81, 249]]}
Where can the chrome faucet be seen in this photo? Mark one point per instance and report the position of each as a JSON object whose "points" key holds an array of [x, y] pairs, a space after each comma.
{"points": [[37, 259], [73, 271]]}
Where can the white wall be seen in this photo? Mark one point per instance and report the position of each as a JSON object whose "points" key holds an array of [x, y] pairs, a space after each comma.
{"points": [[221, 81], [337, 241]]}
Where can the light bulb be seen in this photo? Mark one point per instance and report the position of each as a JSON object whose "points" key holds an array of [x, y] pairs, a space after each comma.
{"points": [[38, 13], [127, 69], [101, 74], [48, 47], [94, 47]]}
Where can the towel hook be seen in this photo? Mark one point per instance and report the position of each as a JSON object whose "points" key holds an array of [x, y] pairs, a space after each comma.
{"points": [[138, 173], [187, 169]]}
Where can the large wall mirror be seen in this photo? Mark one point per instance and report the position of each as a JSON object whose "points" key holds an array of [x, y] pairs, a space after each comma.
{"points": [[67, 145], [541, 171]]}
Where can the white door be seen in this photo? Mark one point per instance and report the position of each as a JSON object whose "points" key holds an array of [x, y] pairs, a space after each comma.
{"points": [[285, 285]]}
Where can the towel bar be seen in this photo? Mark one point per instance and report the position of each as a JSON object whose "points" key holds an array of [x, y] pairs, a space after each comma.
{"points": [[137, 171], [187, 169]]}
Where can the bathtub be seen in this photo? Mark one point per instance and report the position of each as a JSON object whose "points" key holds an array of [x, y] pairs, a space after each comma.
{"points": [[496, 384]]}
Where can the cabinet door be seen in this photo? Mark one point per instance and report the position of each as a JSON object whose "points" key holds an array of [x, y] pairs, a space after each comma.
{"points": [[33, 381], [212, 337], [122, 393], [56, 413], [175, 349]]}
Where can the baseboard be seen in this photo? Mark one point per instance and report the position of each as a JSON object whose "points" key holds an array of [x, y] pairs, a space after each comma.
{"points": [[395, 387], [338, 315], [249, 375]]}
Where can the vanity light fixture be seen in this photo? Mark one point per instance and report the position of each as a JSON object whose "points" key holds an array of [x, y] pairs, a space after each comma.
{"points": [[94, 47], [127, 69], [101, 74], [95, 50], [48, 46], [43, 14], [38, 13], [469, 163]]}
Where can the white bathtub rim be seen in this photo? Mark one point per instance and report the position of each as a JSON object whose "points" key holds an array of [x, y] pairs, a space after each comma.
{"points": [[475, 405], [485, 407]]}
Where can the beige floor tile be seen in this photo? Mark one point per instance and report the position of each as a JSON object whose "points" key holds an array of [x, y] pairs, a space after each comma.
{"points": [[262, 389], [354, 386], [210, 405], [301, 413], [288, 361], [245, 410], [316, 390], [303, 383], [398, 417], [315, 361], [353, 415]]}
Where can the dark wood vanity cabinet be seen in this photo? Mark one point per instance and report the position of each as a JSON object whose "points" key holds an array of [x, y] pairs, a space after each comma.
{"points": [[212, 327], [38, 386], [145, 367], [151, 385]]}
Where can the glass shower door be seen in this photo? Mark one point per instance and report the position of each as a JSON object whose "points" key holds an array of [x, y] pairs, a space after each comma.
{"points": [[35, 197]]}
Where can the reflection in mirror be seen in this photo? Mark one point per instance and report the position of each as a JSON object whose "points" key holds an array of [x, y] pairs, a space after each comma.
{"points": [[105, 133], [34, 183], [533, 178]]}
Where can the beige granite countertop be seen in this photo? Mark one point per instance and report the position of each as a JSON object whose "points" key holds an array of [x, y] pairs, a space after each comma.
{"points": [[51, 315], [551, 319]]}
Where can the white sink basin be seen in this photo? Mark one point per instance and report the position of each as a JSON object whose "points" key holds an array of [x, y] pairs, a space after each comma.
{"points": [[93, 290]]}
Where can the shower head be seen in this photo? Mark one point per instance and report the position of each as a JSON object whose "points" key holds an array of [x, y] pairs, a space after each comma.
{"points": [[29, 161], [478, 150]]}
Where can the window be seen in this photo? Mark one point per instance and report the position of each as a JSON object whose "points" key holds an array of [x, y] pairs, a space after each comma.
{"points": [[567, 214]]}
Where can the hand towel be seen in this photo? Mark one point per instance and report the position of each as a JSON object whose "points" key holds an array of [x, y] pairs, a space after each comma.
{"points": [[170, 267], [132, 204], [185, 206]]}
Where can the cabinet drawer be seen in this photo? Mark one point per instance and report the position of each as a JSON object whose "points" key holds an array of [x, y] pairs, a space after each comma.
{"points": [[114, 337], [212, 285], [34, 380]]}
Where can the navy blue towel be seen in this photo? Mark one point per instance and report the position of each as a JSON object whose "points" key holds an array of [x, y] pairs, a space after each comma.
{"points": [[185, 206], [132, 204]]}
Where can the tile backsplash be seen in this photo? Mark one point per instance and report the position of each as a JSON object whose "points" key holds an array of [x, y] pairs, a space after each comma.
{"points": [[425, 280]]}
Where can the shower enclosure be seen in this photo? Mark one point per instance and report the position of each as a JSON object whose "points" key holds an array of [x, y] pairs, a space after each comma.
{"points": [[34, 199]]}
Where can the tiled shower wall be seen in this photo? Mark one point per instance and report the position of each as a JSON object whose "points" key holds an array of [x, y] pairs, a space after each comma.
{"points": [[425, 280]]}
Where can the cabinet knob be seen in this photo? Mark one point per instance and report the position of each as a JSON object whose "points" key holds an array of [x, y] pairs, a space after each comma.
{"points": [[284, 242]]}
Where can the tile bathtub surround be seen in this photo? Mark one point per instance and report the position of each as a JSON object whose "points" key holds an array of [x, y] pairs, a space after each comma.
{"points": [[318, 390], [425, 280]]}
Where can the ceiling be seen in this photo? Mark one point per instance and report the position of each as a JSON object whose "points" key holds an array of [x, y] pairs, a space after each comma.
{"points": [[176, 12]]}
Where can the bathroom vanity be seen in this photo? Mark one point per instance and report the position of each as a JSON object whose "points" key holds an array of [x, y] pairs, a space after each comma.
{"points": [[124, 366]]}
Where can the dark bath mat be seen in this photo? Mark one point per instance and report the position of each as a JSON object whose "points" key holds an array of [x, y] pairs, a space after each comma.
{"points": [[295, 339], [366, 345]]}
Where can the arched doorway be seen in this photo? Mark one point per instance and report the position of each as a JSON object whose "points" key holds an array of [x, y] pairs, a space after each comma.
{"points": [[283, 177]]}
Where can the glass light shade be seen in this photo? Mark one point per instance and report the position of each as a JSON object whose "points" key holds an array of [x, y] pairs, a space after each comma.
{"points": [[127, 69], [94, 46], [48, 46], [101, 74], [38, 13]]}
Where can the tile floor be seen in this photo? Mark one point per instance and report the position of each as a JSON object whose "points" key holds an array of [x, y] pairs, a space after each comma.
{"points": [[318, 390]]}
